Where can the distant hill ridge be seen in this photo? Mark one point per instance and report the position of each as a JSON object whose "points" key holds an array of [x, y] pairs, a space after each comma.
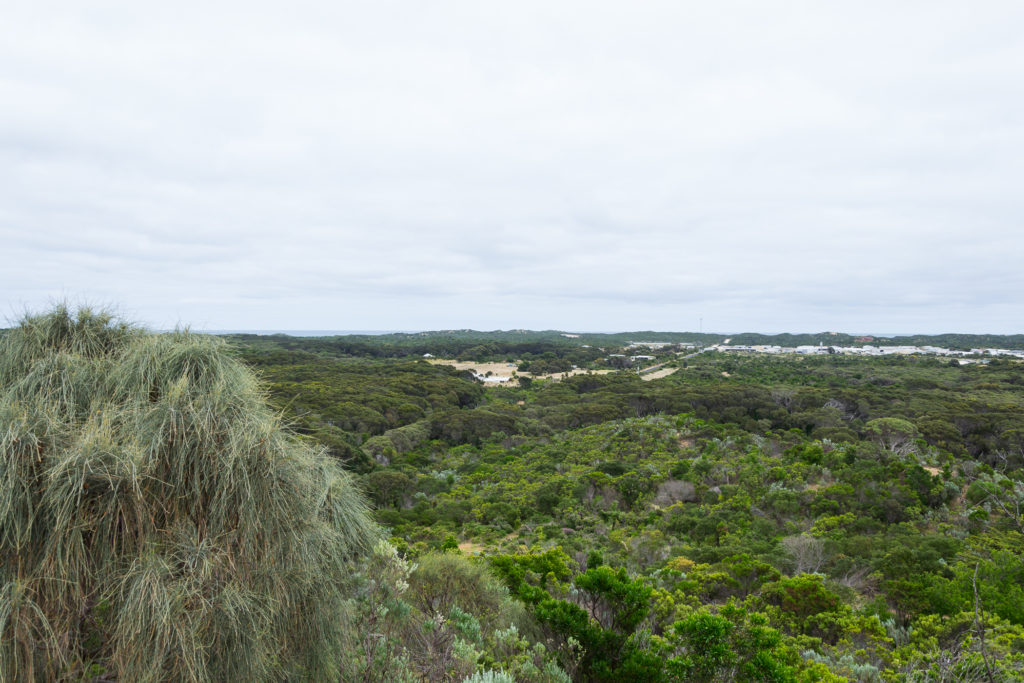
{"points": [[948, 340]]}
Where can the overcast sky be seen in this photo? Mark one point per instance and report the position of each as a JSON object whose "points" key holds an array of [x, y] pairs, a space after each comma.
{"points": [[784, 166]]}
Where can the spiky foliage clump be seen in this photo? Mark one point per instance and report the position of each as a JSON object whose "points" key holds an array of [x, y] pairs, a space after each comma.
{"points": [[156, 521]]}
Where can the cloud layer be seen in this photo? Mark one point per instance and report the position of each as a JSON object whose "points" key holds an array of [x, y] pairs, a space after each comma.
{"points": [[577, 165]]}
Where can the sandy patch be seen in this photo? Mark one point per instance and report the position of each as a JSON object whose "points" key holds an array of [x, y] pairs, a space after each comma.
{"points": [[934, 471], [502, 372], [664, 372], [471, 548], [577, 371]]}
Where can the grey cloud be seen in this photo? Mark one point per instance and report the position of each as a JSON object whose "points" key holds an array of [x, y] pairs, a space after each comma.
{"points": [[581, 165]]}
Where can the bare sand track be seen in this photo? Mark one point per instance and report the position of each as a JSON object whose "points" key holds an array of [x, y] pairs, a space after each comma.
{"points": [[656, 374]]}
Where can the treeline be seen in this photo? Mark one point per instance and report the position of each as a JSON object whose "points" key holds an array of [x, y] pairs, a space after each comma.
{"points": [[497, 345], [479, 349]]}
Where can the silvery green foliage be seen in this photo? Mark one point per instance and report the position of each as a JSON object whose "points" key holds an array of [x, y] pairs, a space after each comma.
{"points": [[489, 677], [156, 521]]}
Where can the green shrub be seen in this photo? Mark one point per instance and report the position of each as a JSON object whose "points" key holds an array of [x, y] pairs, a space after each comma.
{"points": [[156, 521], [490, 677], [446, 580]]}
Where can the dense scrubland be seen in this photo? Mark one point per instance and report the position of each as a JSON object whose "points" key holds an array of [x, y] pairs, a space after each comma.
{"points": [[748, 518]]}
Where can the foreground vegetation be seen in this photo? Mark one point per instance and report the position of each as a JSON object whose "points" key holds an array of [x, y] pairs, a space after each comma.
{"points": [[747, 518]]}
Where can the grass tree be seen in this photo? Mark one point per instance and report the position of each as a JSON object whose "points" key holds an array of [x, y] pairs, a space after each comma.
{"points": [[156, 520]]}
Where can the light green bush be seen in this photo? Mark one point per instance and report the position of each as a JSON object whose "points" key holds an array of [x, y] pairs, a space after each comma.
{"points": [[489, 677], [156, 521]]}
